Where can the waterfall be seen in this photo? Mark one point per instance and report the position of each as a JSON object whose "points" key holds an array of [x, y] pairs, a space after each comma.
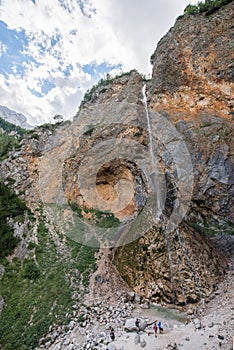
{"points": [[153, 163]]}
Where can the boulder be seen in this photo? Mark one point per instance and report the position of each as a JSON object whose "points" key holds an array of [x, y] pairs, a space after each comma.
{"points": [[138, 298], [143, 325], [130, 325], [197, 323], [129, 296]]}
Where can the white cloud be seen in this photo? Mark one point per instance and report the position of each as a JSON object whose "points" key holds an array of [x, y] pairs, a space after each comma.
{"points": [[115, 32], [3, 48]]}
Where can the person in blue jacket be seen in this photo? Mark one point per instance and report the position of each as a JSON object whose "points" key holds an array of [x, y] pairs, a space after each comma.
{"points": [[160, 327]]}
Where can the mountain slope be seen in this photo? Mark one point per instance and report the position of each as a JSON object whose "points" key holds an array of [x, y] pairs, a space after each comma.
{"points": [[14, 117]]}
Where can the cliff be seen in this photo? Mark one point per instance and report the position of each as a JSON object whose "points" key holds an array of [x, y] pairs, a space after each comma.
{"points": [[146, 175], [193, 67], [192, 85]]}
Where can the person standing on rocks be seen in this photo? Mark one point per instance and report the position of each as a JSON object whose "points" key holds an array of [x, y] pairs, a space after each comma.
{"points": [[112, 333], [155, 328], [137, 324], [160, 327]]}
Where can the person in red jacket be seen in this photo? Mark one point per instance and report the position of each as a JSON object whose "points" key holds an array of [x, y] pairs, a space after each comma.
{"points": [[155, 328]]}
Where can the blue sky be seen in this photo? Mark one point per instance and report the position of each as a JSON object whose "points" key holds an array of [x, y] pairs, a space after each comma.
{"points": [[52, 51]]}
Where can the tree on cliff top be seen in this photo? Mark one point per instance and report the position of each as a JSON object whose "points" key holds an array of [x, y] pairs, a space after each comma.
{"points": [[209, 6]]}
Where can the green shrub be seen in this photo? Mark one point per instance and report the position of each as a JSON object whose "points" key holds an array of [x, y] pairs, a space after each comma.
{"points": [[8, 127], [11, 206], [208, 7], [81, 318], [34, 135], [191, 10], [8, 143], [77, 209], [90, 130], [30, 271], [8, 241]]}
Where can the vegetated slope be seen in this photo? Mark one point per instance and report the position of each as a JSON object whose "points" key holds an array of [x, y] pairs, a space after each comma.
{"points": [[42, 273], [42, 278], [10, 137]]}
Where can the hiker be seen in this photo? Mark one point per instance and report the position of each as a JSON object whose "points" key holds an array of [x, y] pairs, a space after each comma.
{"points": [[160, 327], [137, 324], [155, 328], [112, 333]]}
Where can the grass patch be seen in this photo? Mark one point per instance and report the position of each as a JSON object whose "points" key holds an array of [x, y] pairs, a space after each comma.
{"points": [[84, 258], [35, 295], [100, 218], [209, 229]]}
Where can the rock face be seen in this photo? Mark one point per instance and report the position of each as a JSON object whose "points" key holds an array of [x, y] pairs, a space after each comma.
{"points": [[193, 66], [192, 81], [149, 179]]}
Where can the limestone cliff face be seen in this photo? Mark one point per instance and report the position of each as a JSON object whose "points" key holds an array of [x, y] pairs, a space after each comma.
{"points": [[153, 192], [192, 82], [193, 69]]}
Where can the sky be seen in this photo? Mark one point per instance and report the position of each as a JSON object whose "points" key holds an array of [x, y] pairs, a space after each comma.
{"points": [[52, 51]]}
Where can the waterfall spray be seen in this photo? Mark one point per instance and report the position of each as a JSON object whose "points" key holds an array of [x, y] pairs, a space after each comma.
{"points": [[154, 168], [156, 187]]}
